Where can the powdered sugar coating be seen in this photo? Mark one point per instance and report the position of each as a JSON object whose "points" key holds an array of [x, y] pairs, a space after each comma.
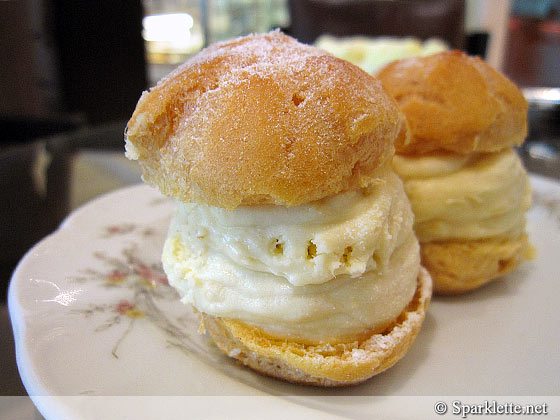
{"points": [[455, 103], [263, 119]]}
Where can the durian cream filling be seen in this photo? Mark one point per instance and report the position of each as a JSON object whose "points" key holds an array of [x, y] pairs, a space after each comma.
{"points": [[330, 270], [472, 197]]}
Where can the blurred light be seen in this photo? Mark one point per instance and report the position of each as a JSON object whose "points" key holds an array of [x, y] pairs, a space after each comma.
{"points": [[173, 29], [171, 37], [542, 95], [551, 94], [543, 151]]}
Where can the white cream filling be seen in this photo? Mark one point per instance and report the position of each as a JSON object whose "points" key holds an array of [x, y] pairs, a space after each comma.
{"points": [[467, 198], [338, 267]]}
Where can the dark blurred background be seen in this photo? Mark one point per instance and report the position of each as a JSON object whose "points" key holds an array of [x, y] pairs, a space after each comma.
{"points": [[71, 73]]}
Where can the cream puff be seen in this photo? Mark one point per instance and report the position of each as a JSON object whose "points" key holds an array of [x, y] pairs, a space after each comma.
{"points": [[292, 236], [468, 188]]}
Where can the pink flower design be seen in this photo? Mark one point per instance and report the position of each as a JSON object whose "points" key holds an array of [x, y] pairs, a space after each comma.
{"points": [[149, 275], [116, 277], [119, 229], [124, 307]]}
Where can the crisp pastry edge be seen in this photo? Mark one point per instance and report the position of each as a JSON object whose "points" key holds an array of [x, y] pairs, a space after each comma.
{"points": [[323, 365], [460, 266]]}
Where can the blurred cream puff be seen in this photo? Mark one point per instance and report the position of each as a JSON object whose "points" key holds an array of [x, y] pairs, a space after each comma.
{"points": [[467, 186]]}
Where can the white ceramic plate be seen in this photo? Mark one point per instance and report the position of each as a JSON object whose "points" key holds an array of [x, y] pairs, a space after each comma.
{"points": [[93, 315]]}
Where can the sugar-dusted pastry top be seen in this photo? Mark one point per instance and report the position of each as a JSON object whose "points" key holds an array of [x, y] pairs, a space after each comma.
{"points": [[263, 119], [455, 103]]}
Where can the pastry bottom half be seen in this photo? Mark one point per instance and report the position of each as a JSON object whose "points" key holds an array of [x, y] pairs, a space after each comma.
{"points": [[460, 266], [323, 364]]}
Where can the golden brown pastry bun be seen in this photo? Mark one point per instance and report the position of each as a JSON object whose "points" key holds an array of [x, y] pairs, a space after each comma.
{"points": [[455, 103], [263, 119], [326, 364], [459, 266]]}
